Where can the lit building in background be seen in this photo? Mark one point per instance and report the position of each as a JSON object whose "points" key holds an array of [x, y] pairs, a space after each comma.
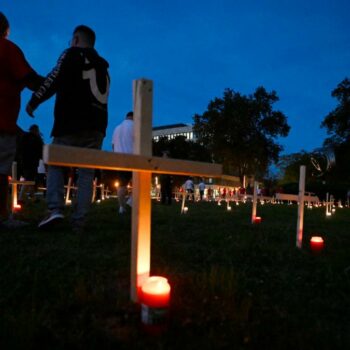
{"points": [[173, 130]]}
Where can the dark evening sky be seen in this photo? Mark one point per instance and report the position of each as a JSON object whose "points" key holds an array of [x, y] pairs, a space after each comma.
{"points": [[193, 50]]}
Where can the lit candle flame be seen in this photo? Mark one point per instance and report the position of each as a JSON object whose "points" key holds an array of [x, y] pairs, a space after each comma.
{"points": [[317, 239], [156, 285]]}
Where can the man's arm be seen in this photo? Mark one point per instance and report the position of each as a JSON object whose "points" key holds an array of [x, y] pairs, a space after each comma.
{"points": [[48, 87], [33, 81]]}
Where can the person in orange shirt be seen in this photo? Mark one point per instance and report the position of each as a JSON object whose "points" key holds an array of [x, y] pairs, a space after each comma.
{"points": [[15, 75]]}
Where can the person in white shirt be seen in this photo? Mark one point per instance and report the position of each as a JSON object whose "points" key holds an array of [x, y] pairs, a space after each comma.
{"points": [[189, 188], [201, 187], [123, 142]]}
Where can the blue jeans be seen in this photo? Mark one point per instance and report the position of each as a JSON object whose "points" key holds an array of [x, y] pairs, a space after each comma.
{"points": [[55, 176]]}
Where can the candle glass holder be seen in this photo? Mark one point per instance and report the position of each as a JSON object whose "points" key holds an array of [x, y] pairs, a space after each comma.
{"points": [[316, 244], [257, 220], [155, 299]]}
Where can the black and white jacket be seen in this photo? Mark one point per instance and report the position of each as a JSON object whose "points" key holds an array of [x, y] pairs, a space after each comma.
{"points": [[80, 81]]}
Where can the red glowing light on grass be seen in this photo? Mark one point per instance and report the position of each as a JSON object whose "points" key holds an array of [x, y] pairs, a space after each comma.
{"points": [[316, 244], [257, 220]]}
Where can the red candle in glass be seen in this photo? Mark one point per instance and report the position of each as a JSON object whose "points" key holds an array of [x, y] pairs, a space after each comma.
{"points": [[17, 207], [155, 292], [257, 220], [155, 297], [316, 244]]}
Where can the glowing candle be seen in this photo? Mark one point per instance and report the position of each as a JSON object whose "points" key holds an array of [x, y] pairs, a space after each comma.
{"points": [[17, 207], [316, 244], [185, 210], [155, 298], [257, 220]]}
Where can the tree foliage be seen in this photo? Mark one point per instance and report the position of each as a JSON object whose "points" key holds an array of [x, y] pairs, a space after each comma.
{"points": [[240, 131], [289, 166], [180, 148], [320, 167], [341, 170], [337, 122]]}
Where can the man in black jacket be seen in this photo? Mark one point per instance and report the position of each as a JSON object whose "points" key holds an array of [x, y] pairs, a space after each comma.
{"points": [[80, 81]]}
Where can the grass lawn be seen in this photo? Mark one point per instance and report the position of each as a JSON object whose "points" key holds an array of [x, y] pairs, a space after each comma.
{"points": [[234, 285]]}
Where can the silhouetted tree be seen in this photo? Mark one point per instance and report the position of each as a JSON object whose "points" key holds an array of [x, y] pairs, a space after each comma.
{"points": [[289, 166], [240, 131], [337, 122], [180, 148]]}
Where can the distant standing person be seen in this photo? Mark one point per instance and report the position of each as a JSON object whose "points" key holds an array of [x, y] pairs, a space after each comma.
{"points": [[80, 81], [123, 142], [189, 187], [15, 74], [201, 187]]}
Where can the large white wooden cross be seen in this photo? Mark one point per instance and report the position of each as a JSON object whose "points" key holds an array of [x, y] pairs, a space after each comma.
{"points": [[143, 165]]}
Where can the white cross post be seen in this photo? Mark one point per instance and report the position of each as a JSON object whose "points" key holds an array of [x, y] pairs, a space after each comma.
{"points": [[94, 189], [69, 186], [141, 210], [102, 192], [300, 222], [255, 200], [14, 181], [328, 212], [184, 209]]}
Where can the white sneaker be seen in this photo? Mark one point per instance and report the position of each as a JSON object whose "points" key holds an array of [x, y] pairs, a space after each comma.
{"points": [[52, 219]]}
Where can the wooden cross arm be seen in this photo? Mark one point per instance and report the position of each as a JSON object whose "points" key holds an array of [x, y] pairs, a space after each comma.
{"points": [[22, 182], [295, 197], [287, 197], [96, 159]]}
